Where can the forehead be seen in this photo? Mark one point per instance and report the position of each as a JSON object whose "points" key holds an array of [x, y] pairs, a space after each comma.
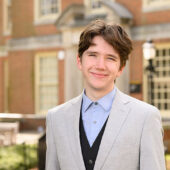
{"points": [[100, 41], [101, 45]]}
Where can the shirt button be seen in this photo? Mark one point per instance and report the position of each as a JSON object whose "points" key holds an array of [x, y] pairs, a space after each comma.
{"points": [[90, 162], [95, 103], [94, 122]]}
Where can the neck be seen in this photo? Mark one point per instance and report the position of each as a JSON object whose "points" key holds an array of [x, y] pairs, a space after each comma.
{"points": [[95, 94]]}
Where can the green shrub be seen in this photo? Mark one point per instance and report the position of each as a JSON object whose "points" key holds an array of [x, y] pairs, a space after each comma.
{"points": [[18, 157]]}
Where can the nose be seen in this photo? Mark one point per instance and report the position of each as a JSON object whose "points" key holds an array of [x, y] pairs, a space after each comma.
{"points": [[100, 64]]}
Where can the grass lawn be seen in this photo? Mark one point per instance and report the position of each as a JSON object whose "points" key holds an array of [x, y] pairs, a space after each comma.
{"points": [[18, 157]]}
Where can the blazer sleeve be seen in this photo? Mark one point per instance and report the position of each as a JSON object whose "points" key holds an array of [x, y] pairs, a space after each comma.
{"points": [[51, 153], [152, 148]]}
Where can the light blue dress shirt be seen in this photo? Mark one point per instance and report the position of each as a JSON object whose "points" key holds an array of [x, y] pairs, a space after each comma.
{"points": [[94, 114]]}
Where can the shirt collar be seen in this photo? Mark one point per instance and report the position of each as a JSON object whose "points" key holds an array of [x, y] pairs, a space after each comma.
{"points": [[86, 102], [106, 101]]}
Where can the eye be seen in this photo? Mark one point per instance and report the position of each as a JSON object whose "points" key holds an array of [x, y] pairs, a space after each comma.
{"points": [[111, 58], [92, 54]]}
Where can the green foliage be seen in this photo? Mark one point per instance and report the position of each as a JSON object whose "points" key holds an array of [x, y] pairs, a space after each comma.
{"points": [[167, 157], [18, 157]]}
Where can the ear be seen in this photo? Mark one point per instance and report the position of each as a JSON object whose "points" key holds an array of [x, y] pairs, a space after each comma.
{"points": [[79, 64], [120, 71]]}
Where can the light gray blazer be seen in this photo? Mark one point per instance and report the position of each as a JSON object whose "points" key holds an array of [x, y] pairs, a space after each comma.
{"points": [[132, 139]]}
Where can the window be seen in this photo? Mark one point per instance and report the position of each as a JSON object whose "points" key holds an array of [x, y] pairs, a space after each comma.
{"points": [[48, 7], [156, 1], [3, 51], [7, 17], [155, 5], [93, 5], [46, 81], [160, 96], [47, 10]]}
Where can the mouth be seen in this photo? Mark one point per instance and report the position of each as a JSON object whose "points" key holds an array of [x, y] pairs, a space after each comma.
{"points": [[98, 75]]}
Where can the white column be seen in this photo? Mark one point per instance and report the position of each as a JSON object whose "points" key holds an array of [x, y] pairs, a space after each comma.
{"points": [[73, 77], [123, 81]]}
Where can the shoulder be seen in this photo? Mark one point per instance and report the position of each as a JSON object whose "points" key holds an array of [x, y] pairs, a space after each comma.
{"points": [[64, 108], [137, 106]]}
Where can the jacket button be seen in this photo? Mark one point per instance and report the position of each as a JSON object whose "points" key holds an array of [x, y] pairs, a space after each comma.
{"points": [[90, 162]]}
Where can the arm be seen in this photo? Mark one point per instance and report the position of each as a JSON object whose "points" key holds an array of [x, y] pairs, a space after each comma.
{"points": [[152, 148], [51, 154]]}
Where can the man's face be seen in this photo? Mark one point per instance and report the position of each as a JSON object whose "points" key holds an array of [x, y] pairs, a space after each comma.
{"points": [[100, 65]]}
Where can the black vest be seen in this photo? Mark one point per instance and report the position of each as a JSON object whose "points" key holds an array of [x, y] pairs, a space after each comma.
{"points": [[89, 153]]}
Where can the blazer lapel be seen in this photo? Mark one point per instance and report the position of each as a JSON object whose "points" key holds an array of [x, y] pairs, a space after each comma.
{"points": [[74, 132], [116, 119]]}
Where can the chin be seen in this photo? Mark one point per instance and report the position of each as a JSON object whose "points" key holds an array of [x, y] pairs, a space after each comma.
{"points": [[99, 88]]}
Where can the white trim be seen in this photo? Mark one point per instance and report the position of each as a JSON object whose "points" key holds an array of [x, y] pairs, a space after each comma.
{"points": [[48, 19], [37, 81], [155, 31], [6, 30], [159, 5], [49, 41], [90, 10], [165, 114], [3, 51]]}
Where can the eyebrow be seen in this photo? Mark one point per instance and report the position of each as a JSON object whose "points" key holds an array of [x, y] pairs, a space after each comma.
{"points": [[91, 52], [95, 52]]}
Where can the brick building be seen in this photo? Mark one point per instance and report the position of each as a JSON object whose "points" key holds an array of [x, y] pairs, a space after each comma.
{"points": [[38, 48]]}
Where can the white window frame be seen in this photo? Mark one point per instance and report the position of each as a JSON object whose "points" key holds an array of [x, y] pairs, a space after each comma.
{"points": [[7, 25], [164, 113], [3, 51], [157, 5], [37, 81], [46, 19], [89, 8]]}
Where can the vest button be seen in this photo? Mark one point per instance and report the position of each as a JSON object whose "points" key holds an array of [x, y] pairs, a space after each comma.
{"points": [[90, 162]]}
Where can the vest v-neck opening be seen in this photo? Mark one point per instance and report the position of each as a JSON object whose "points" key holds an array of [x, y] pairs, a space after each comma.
{"points": [[89, 153]]}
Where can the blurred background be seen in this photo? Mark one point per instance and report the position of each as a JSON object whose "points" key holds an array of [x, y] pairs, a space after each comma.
{"points": [[38, 49]]}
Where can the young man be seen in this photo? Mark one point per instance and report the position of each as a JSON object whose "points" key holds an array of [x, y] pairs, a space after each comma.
{"points": [[104, 128]]}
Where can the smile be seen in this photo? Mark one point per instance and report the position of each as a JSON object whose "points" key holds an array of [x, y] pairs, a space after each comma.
{"points": [[99, 75]]}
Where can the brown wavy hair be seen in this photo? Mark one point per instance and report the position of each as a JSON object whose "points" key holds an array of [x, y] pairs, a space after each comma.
{"points": [[113, 34]]}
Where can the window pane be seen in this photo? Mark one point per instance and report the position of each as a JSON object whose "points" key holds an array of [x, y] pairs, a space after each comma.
{"points": [[48, 7], [160, 96], [8, 20], [47, 82]]}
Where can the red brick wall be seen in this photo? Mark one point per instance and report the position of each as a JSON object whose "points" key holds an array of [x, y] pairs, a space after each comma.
{"points": [[21, 82], [21, 90], [66, 3], [166, 134], [61, 81], [141, 18], [60, 73], [136, 64], [32, 124], [21, 71], [1, 85], [136, 67], [45, 29], [22, 18]]}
